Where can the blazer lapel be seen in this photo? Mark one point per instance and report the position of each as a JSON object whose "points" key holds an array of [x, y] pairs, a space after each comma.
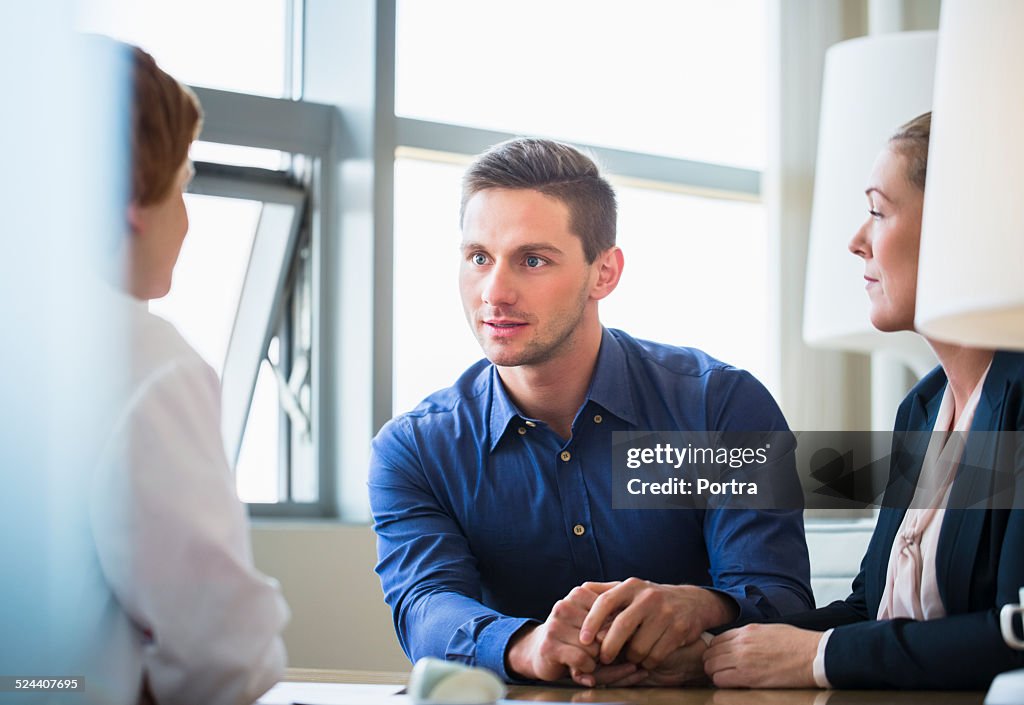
{"points": [[974, 485]]}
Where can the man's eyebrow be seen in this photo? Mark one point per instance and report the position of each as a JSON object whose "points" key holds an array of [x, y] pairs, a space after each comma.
{"points": [[875, 189], [539, 247], [528, 247]]}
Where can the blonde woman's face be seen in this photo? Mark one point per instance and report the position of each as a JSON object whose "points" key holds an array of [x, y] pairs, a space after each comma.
{"points": [[889, 241]]}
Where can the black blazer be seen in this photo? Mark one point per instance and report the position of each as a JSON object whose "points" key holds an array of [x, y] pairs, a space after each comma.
{"points": [[979, 559]]}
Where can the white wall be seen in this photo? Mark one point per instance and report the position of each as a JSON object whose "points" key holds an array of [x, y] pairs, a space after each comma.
{"points": [[339, 619]]}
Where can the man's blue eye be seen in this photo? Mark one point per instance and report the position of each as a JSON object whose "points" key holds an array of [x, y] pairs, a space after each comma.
{"points": [[534, 261], [479, 259]]}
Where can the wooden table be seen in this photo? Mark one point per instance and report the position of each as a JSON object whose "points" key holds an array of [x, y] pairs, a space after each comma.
{"points": [[671, 696]]}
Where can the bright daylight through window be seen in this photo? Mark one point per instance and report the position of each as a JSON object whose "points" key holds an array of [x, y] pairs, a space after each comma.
{"points": [[677, 237]]}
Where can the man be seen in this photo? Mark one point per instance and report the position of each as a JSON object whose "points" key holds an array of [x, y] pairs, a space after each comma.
{"points": [[492, 500]]}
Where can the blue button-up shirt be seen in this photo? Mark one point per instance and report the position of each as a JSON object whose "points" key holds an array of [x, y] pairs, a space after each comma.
{"points": [[486, 517]]}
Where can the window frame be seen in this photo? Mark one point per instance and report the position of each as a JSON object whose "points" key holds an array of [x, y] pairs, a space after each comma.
{"points": [[698, 178], [307, 131], [256, 321]]}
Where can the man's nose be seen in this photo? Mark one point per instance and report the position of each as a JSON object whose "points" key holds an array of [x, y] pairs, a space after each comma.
{"points": [[499, 287]]}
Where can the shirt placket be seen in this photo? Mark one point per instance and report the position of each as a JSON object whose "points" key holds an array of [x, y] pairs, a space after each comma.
{"points": [[575, 503]]}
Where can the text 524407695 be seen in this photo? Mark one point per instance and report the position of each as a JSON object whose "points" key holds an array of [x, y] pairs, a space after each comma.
{"points": [[40, 683]]}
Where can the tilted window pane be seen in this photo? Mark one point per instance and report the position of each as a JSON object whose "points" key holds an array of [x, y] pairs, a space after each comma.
{"points": [[202, 304], [258, 473], [208, 277], [685, 78]]}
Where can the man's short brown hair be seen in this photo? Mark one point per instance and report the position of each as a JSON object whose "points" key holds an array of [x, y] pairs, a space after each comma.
{"points": [[556, 170], [166, 118]]}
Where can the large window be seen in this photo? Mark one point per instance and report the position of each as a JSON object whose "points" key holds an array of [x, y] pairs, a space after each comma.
{"points": [[670, 97], [235, 45], [321, 317], [681, 78]]}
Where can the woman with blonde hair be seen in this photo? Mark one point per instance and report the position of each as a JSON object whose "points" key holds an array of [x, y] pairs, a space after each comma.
{"points": [[924, 610]]}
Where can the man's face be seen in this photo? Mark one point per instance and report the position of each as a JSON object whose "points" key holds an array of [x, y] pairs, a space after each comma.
{"points": [[524, 280]]}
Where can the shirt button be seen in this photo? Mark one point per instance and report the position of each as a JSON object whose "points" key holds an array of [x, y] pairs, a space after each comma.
{"points": [[579, 529], [565, 456], [531, 424], [598, 418], [522, 431]]}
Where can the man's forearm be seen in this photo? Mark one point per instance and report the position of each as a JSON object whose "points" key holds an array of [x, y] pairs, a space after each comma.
{"points": [[480, 636]]}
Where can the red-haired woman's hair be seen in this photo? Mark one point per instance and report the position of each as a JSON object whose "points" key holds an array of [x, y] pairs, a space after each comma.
{"points": [[166, 118]]}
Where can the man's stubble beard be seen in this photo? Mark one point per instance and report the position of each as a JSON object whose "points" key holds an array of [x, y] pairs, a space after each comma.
{"points": [[538, 352]]}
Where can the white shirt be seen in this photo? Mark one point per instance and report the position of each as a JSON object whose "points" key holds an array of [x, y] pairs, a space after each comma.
{"points": [[173, 596]]}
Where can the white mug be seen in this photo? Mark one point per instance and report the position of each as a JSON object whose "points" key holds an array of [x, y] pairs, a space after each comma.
{"points": [[1006, 622]]}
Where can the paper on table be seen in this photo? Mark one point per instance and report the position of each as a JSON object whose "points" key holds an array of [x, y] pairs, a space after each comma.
{"points": [[333, 694]]}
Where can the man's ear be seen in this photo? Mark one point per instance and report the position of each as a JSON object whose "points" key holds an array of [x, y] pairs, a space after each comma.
{"points": [[136, 219], [609, 270]]}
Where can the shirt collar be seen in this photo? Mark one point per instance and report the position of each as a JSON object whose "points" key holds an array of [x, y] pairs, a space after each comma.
{"points": [[502, 408], [609, 387]]}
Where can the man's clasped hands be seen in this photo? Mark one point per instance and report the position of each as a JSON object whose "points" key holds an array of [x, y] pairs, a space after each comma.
{"points": [[619, 634]]}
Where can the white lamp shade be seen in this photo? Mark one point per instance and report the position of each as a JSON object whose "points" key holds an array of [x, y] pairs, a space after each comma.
{"points": [[970, 287], [872, 85]]}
